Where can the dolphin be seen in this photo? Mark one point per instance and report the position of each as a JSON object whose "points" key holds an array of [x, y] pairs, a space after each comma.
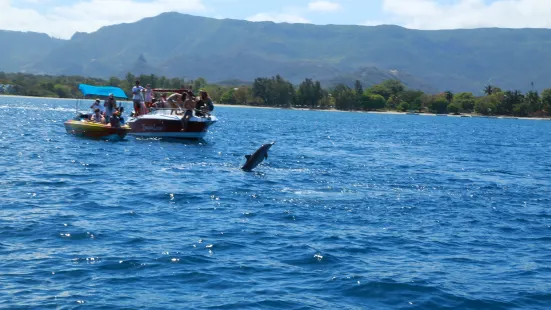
{"points": [[257, 157]]}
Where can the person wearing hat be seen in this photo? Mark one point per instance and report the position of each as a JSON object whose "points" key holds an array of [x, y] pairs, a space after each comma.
{"points": [[96, 105], [110, 105]]}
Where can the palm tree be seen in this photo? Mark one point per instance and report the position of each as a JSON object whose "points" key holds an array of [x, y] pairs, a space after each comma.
{"points": [[449, 96], [488, 90]]}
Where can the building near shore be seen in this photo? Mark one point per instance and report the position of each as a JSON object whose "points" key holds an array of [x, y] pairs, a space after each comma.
{"points": [[6, 88]]}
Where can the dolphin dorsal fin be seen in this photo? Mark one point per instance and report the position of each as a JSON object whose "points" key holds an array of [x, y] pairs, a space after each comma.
{"points": [[248, 157]]}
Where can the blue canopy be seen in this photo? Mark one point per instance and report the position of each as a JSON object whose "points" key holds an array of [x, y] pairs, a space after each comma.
{"points": [[102, 91]]}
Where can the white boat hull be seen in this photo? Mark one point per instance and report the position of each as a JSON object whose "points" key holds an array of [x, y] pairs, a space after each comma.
{"points": [[172, 135], [163, 124]]}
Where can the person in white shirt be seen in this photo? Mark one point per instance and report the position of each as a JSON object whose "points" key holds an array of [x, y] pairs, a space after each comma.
{"points": [[96, 105], [137, 91]]}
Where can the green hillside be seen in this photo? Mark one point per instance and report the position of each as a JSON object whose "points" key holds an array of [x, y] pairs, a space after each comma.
{"points": [[178, 45], [19, 50]]}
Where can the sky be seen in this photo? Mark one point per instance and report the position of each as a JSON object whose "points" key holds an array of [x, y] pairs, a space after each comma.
{"points": [[62, 18]]}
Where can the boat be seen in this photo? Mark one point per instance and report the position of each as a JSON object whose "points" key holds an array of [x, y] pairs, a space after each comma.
{"points": [[160, 123], [80, 125], [84, 128], [166, 123]]}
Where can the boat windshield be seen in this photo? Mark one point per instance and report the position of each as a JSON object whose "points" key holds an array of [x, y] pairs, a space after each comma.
{"points": [[160, 112], [176, 112]]}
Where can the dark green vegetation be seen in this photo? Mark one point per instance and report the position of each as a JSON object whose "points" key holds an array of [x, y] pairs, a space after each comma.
{"points": [[278, 92], [177, 45]]}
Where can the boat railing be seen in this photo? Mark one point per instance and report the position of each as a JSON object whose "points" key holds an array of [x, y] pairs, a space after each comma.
{"points": [[177, 111]]}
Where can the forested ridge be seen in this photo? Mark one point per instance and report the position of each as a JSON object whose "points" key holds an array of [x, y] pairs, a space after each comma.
{"points": [[390, 95]]}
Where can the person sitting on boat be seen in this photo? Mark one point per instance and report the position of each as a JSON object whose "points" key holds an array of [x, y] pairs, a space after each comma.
{"points": [[208, 100], [137, 91], [115, 120], [121, 117], [97, 117], [110, 106], [174, 101], [204, 104], [189, 106]]}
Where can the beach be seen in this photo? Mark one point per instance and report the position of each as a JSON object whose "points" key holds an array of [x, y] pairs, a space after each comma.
{"points": [[306, 109]]}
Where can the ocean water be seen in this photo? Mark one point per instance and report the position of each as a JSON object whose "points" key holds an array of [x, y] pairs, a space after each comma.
{"points": [[350, 211]]}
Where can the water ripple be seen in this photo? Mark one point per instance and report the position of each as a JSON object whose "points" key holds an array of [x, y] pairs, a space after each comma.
{"points": [[350, 211]]}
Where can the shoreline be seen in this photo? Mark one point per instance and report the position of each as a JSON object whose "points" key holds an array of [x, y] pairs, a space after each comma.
{"points": [[466, 115]]}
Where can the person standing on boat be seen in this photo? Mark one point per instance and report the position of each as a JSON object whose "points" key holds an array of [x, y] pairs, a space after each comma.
{"points": [[110, 105], [148, 96], [137, 91]]}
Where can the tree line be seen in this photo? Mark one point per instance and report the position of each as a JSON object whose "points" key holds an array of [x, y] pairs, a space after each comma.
{"points": [[277, 92]]}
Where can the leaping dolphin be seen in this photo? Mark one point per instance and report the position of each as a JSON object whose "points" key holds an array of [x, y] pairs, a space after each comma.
{"points": [[257, 157]]}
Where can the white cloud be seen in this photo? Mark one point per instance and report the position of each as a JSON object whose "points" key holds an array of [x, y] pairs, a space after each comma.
{"points": [[324, 6], [88, 16], [372, 23], [430, 14], [295, 14], [278, 18]]}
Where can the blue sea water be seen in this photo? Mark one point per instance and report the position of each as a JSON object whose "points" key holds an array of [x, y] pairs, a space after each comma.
{"points": [[350, 211]]}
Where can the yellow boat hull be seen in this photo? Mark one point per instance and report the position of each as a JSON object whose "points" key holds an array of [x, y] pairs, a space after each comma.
{"points": [[95, 130]]}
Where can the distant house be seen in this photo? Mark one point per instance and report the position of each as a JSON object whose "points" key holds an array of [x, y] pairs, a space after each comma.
{"points": [[6, 88]]}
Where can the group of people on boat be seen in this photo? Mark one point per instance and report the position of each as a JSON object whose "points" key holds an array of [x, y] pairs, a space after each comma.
{"points": [[183, 102], [108, 113]]}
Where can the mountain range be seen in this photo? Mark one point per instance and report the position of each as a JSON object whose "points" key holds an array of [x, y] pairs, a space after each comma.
{"points": [[179, 45]]}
